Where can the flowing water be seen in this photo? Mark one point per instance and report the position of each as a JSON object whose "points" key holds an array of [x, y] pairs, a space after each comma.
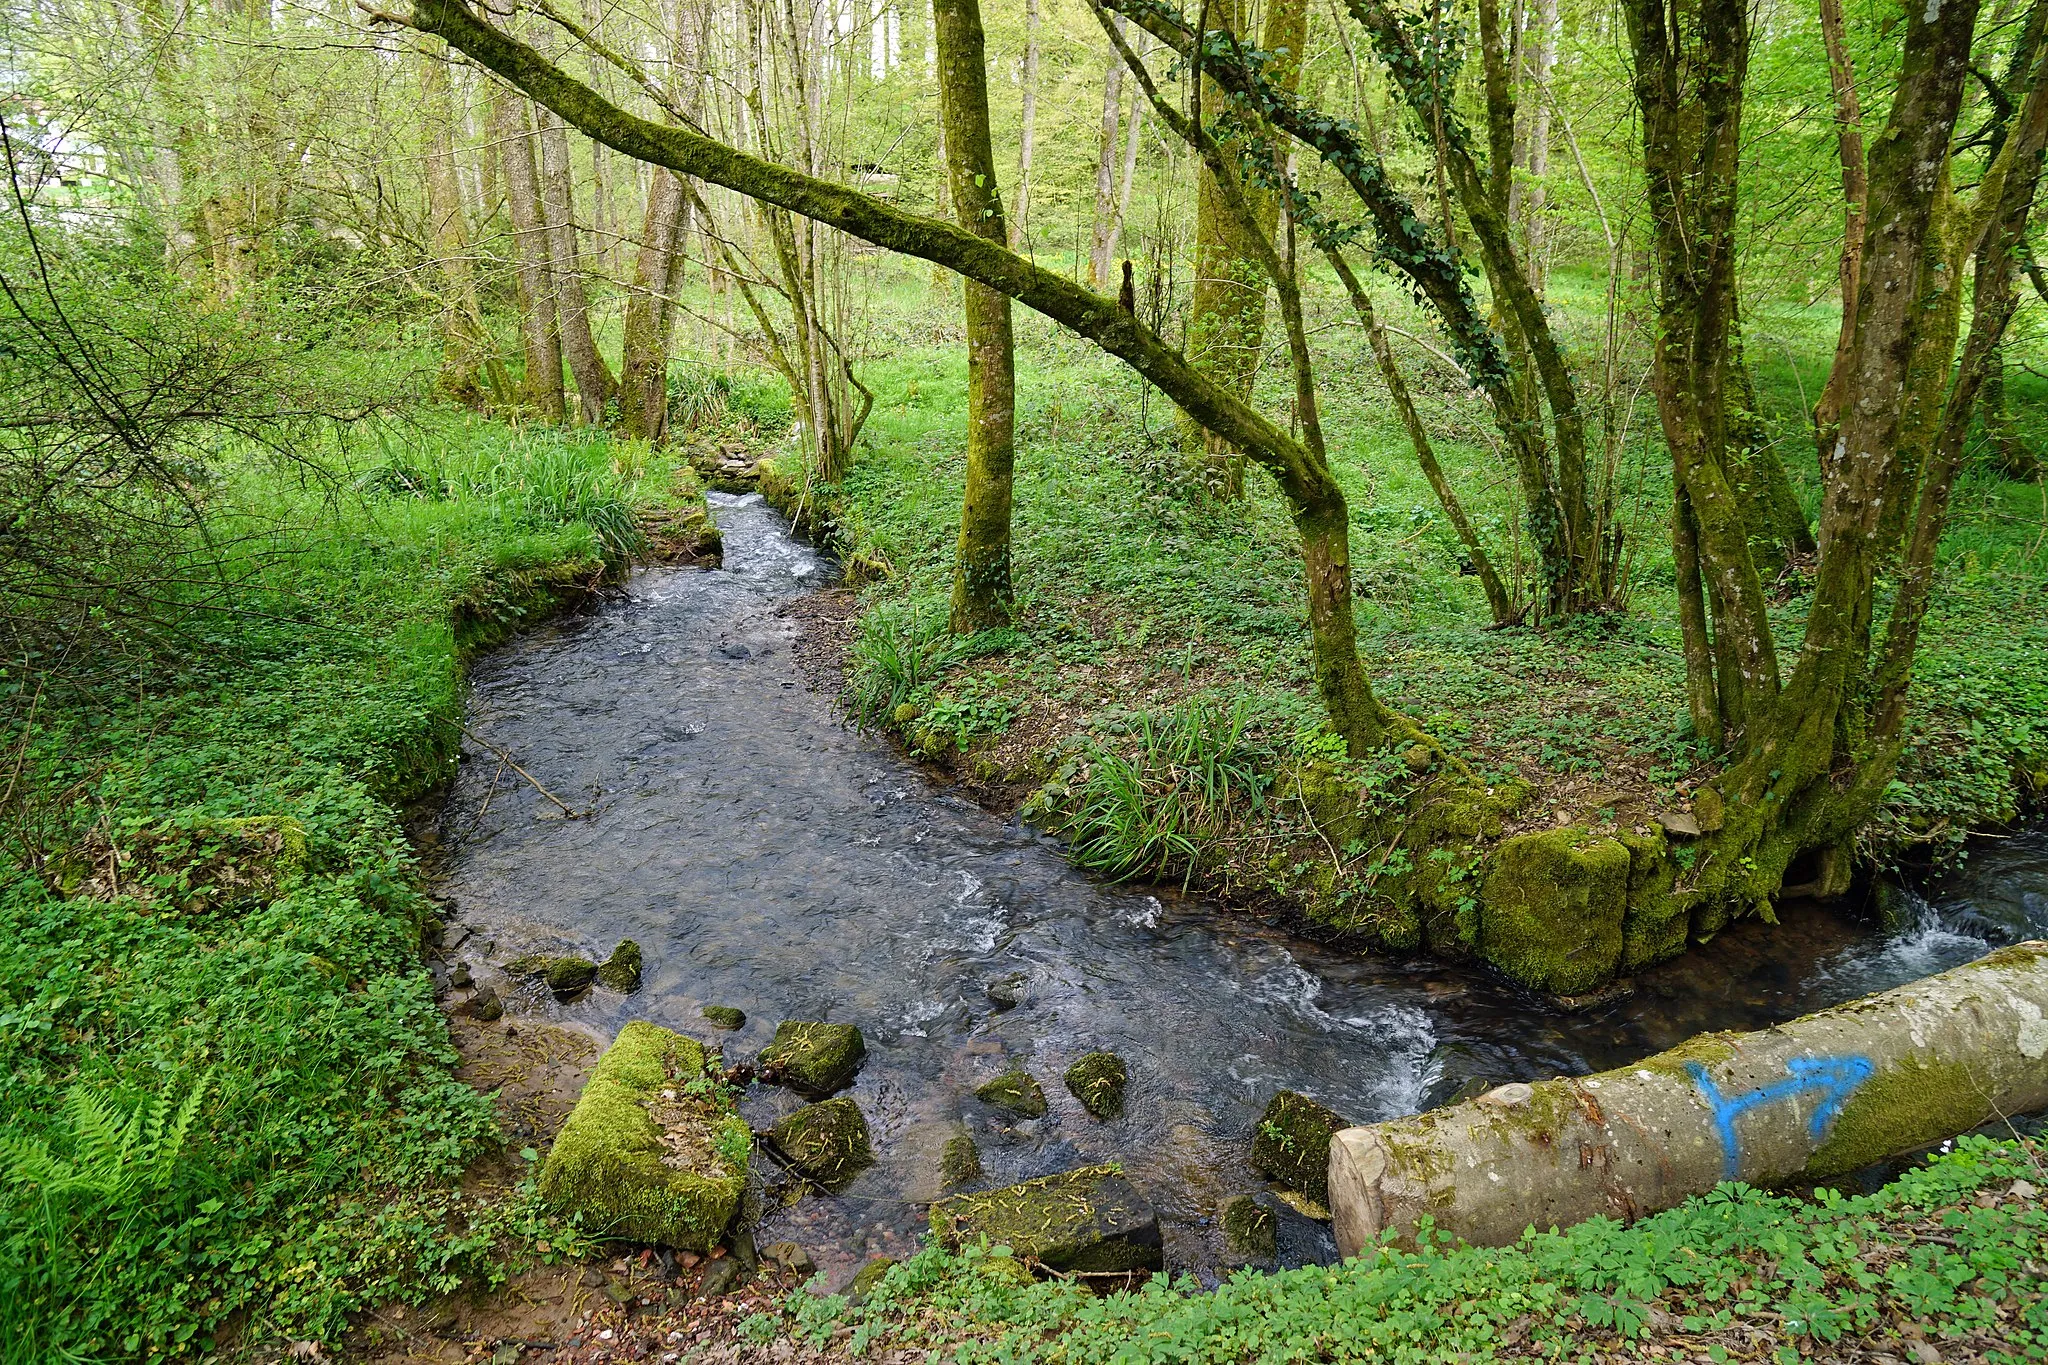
{"points": [[768, 857]]}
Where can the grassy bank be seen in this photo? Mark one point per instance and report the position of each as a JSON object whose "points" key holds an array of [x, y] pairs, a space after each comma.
{"points": [[226, 1104], [1943, 1264], [1153, 702]]}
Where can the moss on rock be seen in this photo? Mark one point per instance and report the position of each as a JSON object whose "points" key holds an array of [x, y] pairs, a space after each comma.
{"points": [[569, 977], [870, 1276], [1250, 1229], [814, 1059], [827, 1142], [1291, 1143], [725, 1016], [621, 971], [1090, 1219], [1098, 1081], [1016, 1092], [1552, 910], [961, 1161], [653, 1151]]}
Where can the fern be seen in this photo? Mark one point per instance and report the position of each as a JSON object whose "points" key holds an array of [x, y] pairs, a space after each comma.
{"points": [[118, 1153]]}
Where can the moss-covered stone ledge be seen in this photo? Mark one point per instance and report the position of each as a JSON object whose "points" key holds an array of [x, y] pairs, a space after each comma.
{"points": [[654, 1150]]}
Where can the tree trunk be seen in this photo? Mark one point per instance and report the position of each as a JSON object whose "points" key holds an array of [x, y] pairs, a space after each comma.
{"points": [[1498, 599], [643, 360], [981, 570], [1227, 308], [1827, 414], [1314, 499], [533, 273], [1027, 134], [466, 353], [1100, 275], [594, 383]]}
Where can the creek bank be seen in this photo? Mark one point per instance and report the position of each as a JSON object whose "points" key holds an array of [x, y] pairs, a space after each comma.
{"points": [[1564, 883], [1807, 1101]]}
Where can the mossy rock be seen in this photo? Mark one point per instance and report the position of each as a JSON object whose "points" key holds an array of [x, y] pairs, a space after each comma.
{"points": [[651, 1152], [1250, 1229], [1098, 1081], [960, 1163], [1089, 1220], [569, 977], [815, 1059], [870, 1276], [1552, 910], [1658, 921], [1291, 1143], [1016, 1092], [621, 971], [826, 1142], [529, 964], [725, 1016]]}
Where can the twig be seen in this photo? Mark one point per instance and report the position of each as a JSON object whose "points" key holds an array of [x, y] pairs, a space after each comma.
{"points": [[567, 812]]}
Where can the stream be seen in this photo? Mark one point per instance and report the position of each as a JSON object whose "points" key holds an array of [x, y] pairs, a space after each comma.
{"points": [[766, 856]]}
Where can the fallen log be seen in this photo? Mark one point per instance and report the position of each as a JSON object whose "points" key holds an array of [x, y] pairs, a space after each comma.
{"points": [[1815, 1098]]}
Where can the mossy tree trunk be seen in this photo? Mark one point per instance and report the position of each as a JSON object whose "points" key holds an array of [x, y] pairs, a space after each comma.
{"points": [[981, 568], [1315, 501], [468, 359], [657, 274], [533, 269], [1498, 599], [1827, 414], [1810, 758], [1227, 307], [595, 385]]}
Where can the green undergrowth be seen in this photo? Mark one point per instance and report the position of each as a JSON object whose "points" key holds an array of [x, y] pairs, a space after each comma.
{"points": [[1950, 1253], [1139, 593], [227, 1102]]}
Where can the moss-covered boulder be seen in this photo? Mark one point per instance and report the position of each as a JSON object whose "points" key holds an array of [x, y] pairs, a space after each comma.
{"points": [[725, 1016], [653, 1151], [1291, 1143], [960, 1163], [870, 1276], [621, 971], [1250, 1229], [1091, 1219], [1098, 1081], [1014, 1091], [1552, 909], [814, 1059], [826, 1142], [569, 977]]}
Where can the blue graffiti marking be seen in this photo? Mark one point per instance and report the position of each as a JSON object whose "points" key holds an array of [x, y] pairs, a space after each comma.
{"points": [[1836, 1077]]}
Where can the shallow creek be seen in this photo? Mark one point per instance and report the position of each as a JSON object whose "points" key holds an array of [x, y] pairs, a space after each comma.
{"points": [[766, 856]]}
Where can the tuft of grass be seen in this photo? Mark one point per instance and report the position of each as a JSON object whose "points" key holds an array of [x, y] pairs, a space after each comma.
{"points": [[1143, 813]]}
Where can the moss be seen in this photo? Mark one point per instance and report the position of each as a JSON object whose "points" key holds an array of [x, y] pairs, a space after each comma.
{"points": [[725, 1016], [1250, 1228], [1657, 923], [1091, 1219], [1015, 1091], [650, 1153], [1098, 1081], [870, 1276], [1291, 1143], [570, 976], [827, 1142], [1552, 911], [1704, 1049], [960, 1163], [1912, 1104], [814, 1059], [621, 971]]}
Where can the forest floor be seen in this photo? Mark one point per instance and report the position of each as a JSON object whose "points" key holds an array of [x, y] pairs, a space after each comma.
{"points": [[1150, 614], [216, 1020]]}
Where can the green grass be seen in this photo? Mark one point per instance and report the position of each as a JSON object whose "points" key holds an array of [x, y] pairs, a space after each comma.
{"points": [[226, 1091], [1136, 589], [1949, 1252]]}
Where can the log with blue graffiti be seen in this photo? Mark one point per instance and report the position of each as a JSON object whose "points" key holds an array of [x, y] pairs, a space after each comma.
{"points": [[1836, 1078]]}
